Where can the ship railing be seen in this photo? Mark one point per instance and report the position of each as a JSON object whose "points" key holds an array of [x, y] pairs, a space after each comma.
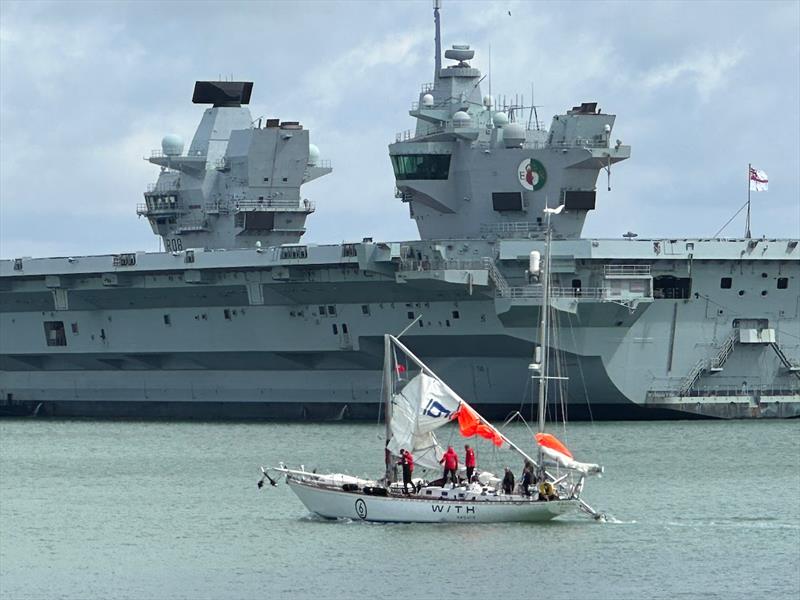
{"points": [[322, 163], [725, 350], [534, 145], [523, 229], [415, 106], [705, 391], [500, 283], [536, 292], [441, 265], [157, 208], [405, 135], [427, 87], [185, 225], [160, 154], [164, 186], [580, 143], [411, 134], [266, 205], [626, 270]]}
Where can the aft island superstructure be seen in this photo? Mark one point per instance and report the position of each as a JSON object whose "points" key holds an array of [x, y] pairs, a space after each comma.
{"points": [[240, 318]]}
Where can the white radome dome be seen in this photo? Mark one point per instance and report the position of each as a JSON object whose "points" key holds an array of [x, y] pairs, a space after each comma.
{"points": [[500, 119], [488, 101], [313, 155], [172, 144], [513, 135], [461, 118], [427, 100]]}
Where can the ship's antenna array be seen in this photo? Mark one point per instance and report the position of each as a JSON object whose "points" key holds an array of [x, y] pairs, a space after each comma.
{"points": [[437, 4]]}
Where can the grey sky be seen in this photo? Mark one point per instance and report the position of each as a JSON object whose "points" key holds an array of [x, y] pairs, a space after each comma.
{"points": [[88, 89]]}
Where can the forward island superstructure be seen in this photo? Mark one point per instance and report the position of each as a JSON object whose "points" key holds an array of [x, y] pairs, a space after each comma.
{"points": [[239, 318]]}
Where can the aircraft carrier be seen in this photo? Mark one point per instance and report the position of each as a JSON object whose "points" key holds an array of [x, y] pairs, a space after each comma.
{"points": [[239, 318]]}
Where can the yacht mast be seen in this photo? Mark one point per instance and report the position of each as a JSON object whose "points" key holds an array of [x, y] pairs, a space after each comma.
{"points": [[544, 325], [387, 401]]}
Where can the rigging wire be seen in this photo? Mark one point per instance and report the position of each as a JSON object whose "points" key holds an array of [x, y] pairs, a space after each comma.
{"points": [[580, 371]]}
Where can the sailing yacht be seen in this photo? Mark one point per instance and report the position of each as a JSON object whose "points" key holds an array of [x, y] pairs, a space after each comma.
{"points": [[418, 403]]}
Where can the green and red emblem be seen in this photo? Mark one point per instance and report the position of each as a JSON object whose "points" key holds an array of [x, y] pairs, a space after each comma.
{"points": [[532, 175]]}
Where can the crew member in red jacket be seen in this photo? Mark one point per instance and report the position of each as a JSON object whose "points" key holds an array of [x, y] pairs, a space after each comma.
{"points": [[469, 462], [450, 460], [407, 461]]}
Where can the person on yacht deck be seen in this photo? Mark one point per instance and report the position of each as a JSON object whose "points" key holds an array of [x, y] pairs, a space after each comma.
{"points": [[527, 478], [450, 460], [407, 462], [469, 462], [508, 482]]}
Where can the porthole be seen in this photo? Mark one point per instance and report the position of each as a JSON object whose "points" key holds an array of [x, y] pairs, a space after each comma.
{"points": [[741, 292]]}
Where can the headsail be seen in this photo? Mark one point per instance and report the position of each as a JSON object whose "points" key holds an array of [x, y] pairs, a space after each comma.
{"points": [[421, 403], [421, 406]]}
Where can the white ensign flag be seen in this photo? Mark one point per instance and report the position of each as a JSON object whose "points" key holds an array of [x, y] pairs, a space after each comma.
{"points": [[758, 180]]}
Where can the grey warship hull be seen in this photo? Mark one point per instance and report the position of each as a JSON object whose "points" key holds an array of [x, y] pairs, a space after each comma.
{"points": [[240, 319], [248, 334]]}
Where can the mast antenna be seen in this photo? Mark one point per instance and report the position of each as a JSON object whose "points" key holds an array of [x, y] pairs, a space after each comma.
{"points": [[747, 222], [437, 4]]}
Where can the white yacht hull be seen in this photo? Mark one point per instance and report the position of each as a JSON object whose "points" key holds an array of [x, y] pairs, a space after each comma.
{"points": [[337, 504]]}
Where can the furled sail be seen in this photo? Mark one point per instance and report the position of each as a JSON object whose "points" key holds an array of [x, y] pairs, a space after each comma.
{"points": [[552, 448]]}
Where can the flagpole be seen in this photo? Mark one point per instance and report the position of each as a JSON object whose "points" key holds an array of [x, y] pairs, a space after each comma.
{"points": [[749, 176]]}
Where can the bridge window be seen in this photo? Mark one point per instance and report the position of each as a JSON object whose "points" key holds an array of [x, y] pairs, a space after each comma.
{"points": [[289, 252], [54, 333], [672, 288], [421, 166]]}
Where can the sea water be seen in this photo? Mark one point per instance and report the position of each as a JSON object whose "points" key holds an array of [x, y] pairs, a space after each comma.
{"points": [[105, 509]]}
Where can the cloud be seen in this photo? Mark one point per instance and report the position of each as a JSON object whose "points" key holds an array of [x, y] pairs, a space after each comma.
{"points": [[87, 89], [707, 72], [331, 82]]}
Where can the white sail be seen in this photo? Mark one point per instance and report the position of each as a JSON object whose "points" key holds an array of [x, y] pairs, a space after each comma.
{"points": [[423, 405], [567, 462]]}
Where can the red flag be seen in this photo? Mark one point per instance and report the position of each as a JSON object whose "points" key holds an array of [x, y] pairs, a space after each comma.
{"points": [[470, 424], [400, 368], [550, 441]]}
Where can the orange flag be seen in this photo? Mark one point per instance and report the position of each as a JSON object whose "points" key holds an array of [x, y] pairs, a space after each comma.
{"points": [[470, 424], [550, 441]]}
